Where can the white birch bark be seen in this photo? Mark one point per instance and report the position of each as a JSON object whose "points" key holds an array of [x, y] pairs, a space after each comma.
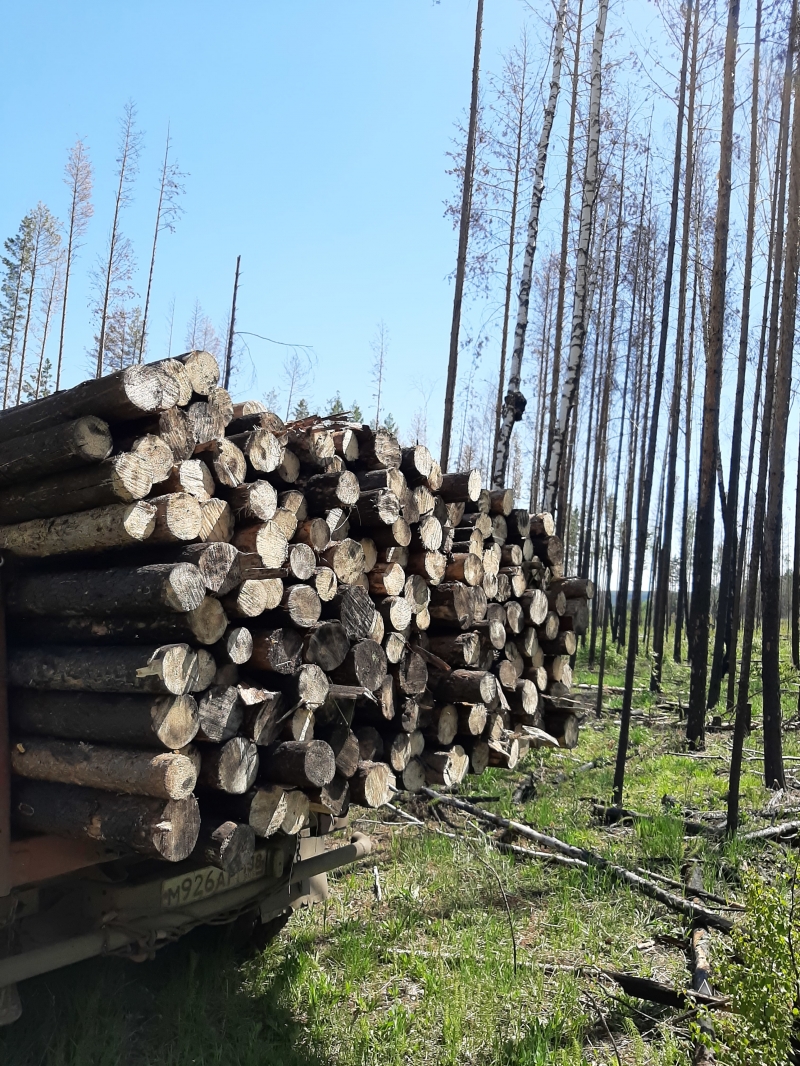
{"points": [[514, 405], [578, 334]]}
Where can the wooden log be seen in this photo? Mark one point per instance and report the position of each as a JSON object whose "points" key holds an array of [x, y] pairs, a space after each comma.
{"points": [[166, 775], [501, 501], [277, 650], [179, 517], [453, 603], [216, 521], [411, 674], [346, 444], [370, 744], [125, 395], [206, 624], [458, 650], [515, 618], [300, 606], [565, 643], [326, 646], [209, 417], [447, 767], [523, 698], [354, 609], [461, 486], [189, 475], [324, 491], [413, 776], [218, 562], [364, 666], [286, 522], [467, 686], [252, 501], [228, 845], [232, 767], [563, 725], [428, 535], [297, 812], [309, 686], [265, 538], [206, 671], [120, 479], [430, 565], [153, 722], [550, 550], [297, 725], [534, 603], [172, 427], [253, 598], [425, 502], [395, 645], [220, 713], [417, 593], [383, 478], [140, 590], [235, 646], [326, 584], [262, 717], [157, 453], [576, 615], [556, 601], [542, 525], [574, 587], [332, 799], [346, 559], [228, 462], [372, 785], [416, 463], [439, 725], [147, 826], [506, 673], [504, 752], [386, 579], [301, 763], [261, 449], [263, 809], [376, 507], [83, 441], [314, 532], [202, 369], [396, 612], [171, 669], [397, 535], [471, 719], [548, 630], [467, 568]]}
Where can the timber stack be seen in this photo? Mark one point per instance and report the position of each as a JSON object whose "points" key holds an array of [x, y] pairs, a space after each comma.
{"points": [[221, 625]]}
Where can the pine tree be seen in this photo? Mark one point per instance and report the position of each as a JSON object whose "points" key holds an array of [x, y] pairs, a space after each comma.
{"points": [[16, 262], [78, 179], [301, 409]]}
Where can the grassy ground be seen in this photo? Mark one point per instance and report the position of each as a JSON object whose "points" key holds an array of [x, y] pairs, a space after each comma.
{"points": [[427, 975]]}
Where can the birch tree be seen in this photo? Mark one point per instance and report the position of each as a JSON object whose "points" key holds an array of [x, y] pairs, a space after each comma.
{"points": [[115, 269], [578, 334], [514, 404], [78, 179], [170, 190]]}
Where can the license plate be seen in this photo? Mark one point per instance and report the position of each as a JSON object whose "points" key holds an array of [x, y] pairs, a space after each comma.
{"points": [[200, 884]]}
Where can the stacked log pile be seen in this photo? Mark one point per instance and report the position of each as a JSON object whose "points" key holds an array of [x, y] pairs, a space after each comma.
{"points": [[221, 625]]}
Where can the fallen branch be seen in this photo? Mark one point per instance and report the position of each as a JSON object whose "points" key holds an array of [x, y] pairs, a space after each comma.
{"points": [[619, 873], [773, 831], [701, 970], [645, 987]]}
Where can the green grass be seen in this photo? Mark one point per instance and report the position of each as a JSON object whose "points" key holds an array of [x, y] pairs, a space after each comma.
{"points": [[427, 975]]}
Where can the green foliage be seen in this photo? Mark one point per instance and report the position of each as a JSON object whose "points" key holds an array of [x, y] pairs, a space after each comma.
{"points": [[301, 409], [390, 425], [334, 406], [357, 413], [123, 338], [759, 971]]}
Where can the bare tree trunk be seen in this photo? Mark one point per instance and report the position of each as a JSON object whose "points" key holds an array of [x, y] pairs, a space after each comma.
{"points": [[682, 606], [512, 233], [565, 226], [31, 293], [536, 465], [661, 605], [771, 557], [79, 180], [578, 335], [226, 378], [463, 241], [46, 329], [751, 598], [647, 484], [514, 405], [709, 444]]}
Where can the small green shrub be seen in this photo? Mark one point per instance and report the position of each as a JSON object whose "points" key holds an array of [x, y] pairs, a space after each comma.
{"points": [[759, 971]]}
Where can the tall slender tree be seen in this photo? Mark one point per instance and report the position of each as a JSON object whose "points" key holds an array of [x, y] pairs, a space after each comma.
{"points": [[78, 179], [703, 559], [514, 404], [463, 241], [579, 318], [115, 269], [170, 190]]}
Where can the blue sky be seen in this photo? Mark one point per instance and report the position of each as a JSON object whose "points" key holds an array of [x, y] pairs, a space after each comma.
{"points": [[315, 138]]}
